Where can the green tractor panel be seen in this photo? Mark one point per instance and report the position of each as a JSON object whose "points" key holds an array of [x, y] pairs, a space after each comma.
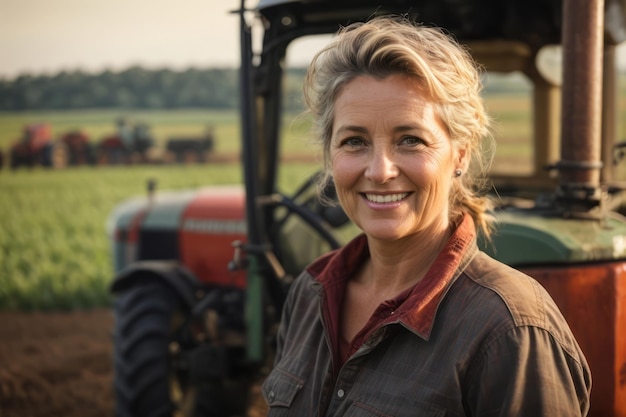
{"points": [[202, 274]]}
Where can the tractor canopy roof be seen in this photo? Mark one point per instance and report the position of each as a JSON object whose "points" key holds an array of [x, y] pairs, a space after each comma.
{"points": [[533, 22]]}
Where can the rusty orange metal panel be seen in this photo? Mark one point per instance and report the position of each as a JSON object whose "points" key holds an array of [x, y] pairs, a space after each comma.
{"points": [[593, 301], [209, 226]]}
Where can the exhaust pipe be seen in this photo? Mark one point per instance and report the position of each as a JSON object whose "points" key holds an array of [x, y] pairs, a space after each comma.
{"points": [[581, 106]]}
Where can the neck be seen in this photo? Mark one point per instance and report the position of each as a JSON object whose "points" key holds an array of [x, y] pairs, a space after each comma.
{"points": [[397, 265]]}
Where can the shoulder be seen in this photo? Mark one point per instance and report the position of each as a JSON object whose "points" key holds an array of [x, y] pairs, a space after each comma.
{"points": [[527, 304], [522, 295], [307, 279], [303, 287]]}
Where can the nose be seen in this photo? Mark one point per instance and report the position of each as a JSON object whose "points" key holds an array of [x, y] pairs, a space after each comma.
{"points": [[381, 167]]}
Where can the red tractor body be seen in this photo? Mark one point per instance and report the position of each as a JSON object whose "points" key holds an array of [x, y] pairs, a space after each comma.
{"points": [[30, 146], [79, 148], [37, 147], [195, 228], [214, 219], [34, 139]]}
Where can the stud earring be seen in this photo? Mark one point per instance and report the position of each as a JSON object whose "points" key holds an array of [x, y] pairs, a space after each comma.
{"points": [[458, 172]]}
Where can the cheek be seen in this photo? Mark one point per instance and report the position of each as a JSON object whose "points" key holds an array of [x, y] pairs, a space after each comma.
{"points": [[431, 181], [440, 190], [343, 169]]}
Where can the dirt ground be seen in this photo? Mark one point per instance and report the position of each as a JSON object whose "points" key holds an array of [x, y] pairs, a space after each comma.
{"points": [[56, 364], [60, 364]]}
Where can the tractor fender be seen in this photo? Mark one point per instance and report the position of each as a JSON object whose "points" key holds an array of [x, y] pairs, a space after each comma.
{"points": [[172, 274]]}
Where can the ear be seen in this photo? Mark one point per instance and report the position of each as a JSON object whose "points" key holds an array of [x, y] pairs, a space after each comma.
{"points": [[462, 157]]}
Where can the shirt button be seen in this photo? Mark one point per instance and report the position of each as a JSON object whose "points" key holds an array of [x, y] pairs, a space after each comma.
{"points": [[271, 396], [341, 393]]}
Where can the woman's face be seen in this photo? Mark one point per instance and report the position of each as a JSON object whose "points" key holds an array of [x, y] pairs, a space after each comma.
{"points": [[391, 158]]}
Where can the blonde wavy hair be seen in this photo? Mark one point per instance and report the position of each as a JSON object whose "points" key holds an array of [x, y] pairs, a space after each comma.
{"points": [[384, 46]]}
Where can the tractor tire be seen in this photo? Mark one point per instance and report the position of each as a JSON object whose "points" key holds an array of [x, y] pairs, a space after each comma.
{"points": [[147, 318]]}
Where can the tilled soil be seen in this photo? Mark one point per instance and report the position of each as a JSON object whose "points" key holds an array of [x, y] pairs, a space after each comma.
{"points": [[56, 364], [60, 364]]}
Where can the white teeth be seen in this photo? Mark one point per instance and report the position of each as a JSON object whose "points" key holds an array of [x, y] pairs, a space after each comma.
{"points": [[388, 198]]}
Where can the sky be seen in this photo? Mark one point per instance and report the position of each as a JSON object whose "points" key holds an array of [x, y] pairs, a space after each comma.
{"points": [[47, 36]]}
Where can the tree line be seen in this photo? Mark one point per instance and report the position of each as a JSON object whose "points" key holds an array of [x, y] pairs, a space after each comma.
{"points": [[140, 88], [134, 88]]}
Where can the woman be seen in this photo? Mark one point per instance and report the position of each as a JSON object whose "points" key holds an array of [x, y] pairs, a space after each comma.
{"points": [[410, 318]]}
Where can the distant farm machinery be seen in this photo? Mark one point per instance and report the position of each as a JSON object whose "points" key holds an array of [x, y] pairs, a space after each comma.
{"points": [[37, 147], [185, 149], [131, 143]]}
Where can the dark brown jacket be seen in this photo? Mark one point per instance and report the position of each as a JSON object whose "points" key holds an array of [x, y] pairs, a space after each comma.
{"points": [[487, 341]]}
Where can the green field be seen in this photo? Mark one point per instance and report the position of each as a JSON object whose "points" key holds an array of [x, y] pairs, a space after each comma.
{"points": [[54, 252]]}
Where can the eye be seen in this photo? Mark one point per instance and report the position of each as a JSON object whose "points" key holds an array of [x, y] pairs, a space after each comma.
{"points": [[411, 141], [353, 142]]}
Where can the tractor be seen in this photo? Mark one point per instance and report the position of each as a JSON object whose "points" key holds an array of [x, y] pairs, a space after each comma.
{"points": [[80, 150], [201, 275], [37, 147], [128, 145], [190, 149]]}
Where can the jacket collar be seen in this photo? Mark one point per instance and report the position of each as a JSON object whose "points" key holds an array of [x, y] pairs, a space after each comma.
{"points": [[416, 307]]}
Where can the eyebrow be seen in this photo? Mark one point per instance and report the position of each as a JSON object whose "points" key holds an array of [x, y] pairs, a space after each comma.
{"points": [[351, 128], [363, 130]]}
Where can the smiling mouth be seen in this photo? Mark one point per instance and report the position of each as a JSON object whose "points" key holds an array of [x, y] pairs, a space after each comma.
{"points": [[387, 198]]}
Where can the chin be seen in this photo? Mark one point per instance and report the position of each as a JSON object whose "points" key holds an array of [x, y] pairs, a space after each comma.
{"points": [[384, 233]]}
